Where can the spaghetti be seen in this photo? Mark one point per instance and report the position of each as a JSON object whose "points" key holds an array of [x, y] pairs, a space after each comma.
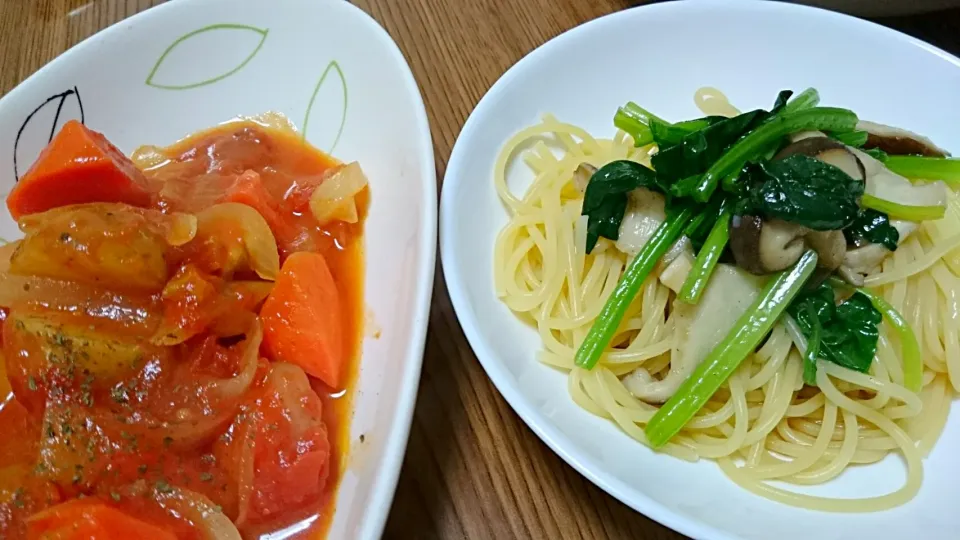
{"points": [[763, 424]]}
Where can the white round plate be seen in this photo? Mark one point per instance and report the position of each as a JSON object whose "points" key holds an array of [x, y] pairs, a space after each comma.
{"points": [[658, 55], [334, 72]]}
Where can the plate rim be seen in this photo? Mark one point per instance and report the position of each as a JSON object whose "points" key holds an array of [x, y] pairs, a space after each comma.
{"points": [[383, 485], [684, 523]]}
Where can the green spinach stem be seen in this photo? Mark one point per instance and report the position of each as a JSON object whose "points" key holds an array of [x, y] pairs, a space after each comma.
{"points": [[606, 324], [926, 168], [807, 99], [902, 211], [707, 259]]}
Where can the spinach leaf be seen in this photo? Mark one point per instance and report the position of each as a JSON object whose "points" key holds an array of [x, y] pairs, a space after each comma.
{"points": [[806, 191], [696, 151], [875, 227], [851, 340], [605, 199], [605, 220], [851, 138], [847, 333], [782, 98], [877, 154], [810, 325], [707, 139]]}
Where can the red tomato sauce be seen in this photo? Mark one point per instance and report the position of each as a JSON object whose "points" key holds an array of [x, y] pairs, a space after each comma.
{"points": [[129, 374]]}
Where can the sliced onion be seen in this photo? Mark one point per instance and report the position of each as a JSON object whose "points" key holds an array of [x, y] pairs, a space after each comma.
{"points": [[208, 518], [193, 433], [291, 385], [245, 475], [235, 387], [6, 251], [335, 198], [225, 394], [181, 228], [223, 398], [148, 157], [258, 241], [272, 120], [241, 301], [136, 315]]}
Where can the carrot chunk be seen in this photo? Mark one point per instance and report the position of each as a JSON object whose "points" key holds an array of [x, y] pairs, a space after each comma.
{"points": [[90, 519], [302, 321], [78, 166]]}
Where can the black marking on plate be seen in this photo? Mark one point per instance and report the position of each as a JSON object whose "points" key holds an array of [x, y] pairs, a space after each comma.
{"points": [[56, 119]]}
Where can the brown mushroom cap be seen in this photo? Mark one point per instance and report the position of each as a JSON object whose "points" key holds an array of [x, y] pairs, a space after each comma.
{"points": [[828, 151], [897, 141], [808, 146], [745, 242]]}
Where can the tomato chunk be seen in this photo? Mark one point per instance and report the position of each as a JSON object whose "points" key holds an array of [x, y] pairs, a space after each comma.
{"points": [[277, 452], [248, 189]]}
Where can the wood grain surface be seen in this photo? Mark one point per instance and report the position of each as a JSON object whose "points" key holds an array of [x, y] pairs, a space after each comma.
{"points": [[472, 468]]}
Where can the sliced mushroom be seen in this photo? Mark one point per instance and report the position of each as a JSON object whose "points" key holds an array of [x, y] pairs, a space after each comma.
{"points": [[890, 186], [861, 261], [645, 212], [675, 273], [809, 146], [828, 151], [698, 329], [897, 141], [582, 175], [800, 135], [764, 246], [761, 247], [831, 248]]}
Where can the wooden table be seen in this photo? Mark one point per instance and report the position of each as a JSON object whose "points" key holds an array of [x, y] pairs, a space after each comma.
{"points": [[472, 468]]}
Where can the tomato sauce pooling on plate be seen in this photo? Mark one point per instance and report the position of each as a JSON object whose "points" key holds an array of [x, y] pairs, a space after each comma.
{"points": [[180, 335]]}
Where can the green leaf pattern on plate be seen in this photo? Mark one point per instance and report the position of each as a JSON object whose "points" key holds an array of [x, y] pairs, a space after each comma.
{"points": [[330, 109], [334, 68], [152, 77]]}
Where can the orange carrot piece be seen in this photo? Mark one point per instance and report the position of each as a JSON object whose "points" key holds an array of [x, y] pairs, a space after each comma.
{"points": [[302, 321], [248, 189], [90, 519], [78, 166]]}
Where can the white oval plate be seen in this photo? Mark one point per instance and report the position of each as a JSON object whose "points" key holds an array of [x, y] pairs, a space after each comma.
{"points": [[658, 56], [192, 64]]}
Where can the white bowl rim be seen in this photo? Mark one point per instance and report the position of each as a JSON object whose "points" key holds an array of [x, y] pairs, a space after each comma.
{"points": [[554, 439], [384, 485]]}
